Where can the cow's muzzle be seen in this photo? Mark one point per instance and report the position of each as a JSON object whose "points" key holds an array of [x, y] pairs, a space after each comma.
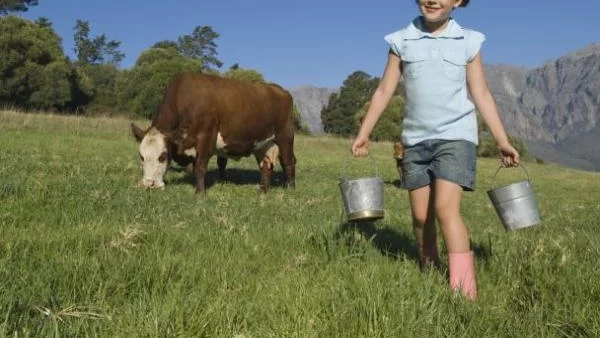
{"points": [[150, 184]]}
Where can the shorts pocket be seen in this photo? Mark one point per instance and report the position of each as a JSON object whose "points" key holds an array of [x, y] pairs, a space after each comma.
{"points": [[455, 67]]}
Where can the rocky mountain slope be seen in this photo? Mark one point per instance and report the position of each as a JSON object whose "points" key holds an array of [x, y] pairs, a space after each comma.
{"points": [[310, 101], [555, 108]]}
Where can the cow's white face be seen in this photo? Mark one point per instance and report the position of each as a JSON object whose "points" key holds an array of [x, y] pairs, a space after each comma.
{"points": [[154, 157]]}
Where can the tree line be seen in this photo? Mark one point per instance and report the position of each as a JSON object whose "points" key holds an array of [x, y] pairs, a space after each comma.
{"points": [[37, 75]]}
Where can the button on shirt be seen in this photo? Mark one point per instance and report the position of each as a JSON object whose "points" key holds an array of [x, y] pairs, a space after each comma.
{"points": [[434, 71]]}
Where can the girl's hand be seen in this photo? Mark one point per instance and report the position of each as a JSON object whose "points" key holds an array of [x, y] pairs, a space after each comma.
{"points": [[509, 156], [360, 147]]}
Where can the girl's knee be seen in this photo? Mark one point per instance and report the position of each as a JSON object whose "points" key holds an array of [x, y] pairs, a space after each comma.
{"points": [[421, 221], [447, 212]]}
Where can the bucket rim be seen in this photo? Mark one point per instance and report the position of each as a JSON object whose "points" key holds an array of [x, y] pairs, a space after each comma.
{"points": [[344, 180], [366, 215]]}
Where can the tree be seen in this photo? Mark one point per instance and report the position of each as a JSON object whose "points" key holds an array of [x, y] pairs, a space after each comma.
{"points": [[43, 22], [35, 72], [389, 125], [166, 44], [248, 75], [141, 88], [96, 88], [338, 117], [97, 50], [8, 6], [487, 146], [156, 54], [299, 126], [201, 45]]}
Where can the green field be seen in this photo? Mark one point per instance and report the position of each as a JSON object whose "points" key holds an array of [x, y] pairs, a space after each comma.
{"points": [[83, 252]]}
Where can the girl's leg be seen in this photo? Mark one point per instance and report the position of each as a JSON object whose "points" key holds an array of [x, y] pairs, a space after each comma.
{"points": [[456, 236], [423, 215], [447, 209]]}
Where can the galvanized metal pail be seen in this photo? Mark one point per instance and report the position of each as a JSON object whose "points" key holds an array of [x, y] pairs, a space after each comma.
{"points": [[516, 204], [363, 198]]}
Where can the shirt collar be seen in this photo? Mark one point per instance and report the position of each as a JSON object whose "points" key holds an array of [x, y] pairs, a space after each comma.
{"points": [[416, 30]]}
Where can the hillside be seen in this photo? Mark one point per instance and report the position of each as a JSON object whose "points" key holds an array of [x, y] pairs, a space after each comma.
{"points": [[557, 105], [309, 101]]}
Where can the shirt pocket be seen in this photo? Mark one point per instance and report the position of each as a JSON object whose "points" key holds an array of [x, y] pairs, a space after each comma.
{"points": [[413, 64], [455, 67]]}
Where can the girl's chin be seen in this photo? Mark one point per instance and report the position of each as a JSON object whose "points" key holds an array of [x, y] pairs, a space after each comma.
{"points": [[434, 19]]}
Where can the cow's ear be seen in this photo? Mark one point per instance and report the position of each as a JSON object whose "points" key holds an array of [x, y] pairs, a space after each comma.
{"points": [[137, 132]]}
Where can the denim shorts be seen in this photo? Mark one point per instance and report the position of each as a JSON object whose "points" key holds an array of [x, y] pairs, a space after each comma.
{"points": [[450, 160]]}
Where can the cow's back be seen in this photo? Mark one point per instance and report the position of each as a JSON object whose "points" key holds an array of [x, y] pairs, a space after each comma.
{"points": [[211, 94], [244, 113], [192, 95]]}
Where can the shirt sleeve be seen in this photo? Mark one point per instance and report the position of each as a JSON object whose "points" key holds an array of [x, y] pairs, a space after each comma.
{"points": [[474, 42], [395, 41]]}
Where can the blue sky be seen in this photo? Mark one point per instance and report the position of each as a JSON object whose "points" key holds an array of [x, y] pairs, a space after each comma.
{"points": [[321, 42]]}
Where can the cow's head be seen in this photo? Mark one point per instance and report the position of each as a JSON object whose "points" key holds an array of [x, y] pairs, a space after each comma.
{"points": [[154, 154]]}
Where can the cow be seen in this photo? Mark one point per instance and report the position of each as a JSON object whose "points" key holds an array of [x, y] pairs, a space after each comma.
{"points": [[399, 157], [204, 115]]}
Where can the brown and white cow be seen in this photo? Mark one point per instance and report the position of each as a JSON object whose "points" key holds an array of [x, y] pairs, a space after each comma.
{"points": [[399, 156], [204, 115]]}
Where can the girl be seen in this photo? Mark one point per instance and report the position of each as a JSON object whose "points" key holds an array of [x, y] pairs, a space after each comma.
{"points": [[441, 64]]}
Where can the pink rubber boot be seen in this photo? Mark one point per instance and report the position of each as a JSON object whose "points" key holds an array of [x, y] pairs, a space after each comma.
{"points": [[462, 273]]}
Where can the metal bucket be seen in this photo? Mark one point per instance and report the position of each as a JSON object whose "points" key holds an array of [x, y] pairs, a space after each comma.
{"points": [[363, 198], [516, 204]]}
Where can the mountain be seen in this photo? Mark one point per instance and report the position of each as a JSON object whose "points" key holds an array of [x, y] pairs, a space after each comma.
{"points": [[310, 100], [554, 108]]}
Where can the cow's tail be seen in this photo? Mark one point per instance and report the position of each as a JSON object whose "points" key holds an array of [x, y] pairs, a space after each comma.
{"points": [[285, 138]]}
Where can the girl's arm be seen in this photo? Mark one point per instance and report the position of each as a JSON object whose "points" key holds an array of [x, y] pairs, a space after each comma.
{"points": [[379, 101], [489, 112]]}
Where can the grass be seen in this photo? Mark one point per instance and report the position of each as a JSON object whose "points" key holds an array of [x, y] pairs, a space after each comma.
{"points": [[85, 253]]}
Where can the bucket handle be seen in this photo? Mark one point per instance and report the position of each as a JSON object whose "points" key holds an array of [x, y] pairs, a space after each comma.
{"points": [[344, 178], [520, 165]]}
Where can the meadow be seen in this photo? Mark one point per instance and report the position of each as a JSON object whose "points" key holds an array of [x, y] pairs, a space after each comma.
{"points": [[83, 252]]}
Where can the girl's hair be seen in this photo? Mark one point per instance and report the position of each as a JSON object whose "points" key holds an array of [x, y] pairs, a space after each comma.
{"points": [[464, 3]]}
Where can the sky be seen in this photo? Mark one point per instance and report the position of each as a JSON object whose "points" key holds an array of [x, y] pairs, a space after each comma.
{"points": [[320, 43]]}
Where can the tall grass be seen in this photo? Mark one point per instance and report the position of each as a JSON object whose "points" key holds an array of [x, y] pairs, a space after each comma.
{"points": [[85, 253]]}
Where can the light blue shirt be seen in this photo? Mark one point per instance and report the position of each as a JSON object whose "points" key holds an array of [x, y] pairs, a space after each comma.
{"points": [[434, 71]]}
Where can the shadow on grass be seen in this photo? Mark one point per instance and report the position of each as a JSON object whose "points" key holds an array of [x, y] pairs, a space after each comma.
{"points": [[481, 250], [387, 240], [234, 176], [394, 244]]}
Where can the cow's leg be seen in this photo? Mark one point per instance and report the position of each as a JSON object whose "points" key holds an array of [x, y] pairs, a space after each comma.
{"points": [[205, 143], [222, 164], [266, 163], [399, 156], [287, 159], [266, 171], [399, 167], [200, 171]]}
